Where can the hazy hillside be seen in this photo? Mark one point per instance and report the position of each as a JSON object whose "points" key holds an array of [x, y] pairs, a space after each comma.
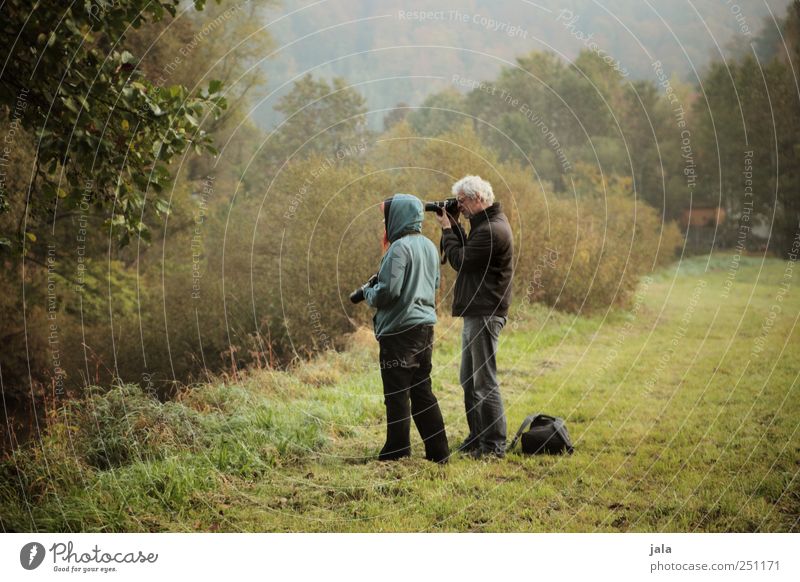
{"points": [[403, 50]]}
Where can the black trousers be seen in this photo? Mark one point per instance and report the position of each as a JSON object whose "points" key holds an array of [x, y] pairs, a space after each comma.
{"points": [[405, 360]]}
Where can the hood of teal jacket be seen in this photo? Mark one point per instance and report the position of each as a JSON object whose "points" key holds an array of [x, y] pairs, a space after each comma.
{"points": [[403, 214]]}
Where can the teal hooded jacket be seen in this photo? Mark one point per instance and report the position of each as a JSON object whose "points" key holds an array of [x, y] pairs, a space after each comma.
{"points": [[408, 277]]}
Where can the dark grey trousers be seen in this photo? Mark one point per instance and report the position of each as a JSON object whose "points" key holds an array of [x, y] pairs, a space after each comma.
{"points": [[485, 415]]}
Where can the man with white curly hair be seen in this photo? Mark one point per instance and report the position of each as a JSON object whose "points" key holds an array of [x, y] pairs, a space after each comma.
{"points": [[482, 295]]}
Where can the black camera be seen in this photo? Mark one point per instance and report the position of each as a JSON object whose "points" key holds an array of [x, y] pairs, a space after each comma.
{"points": [[450, 206], [357, 296]]}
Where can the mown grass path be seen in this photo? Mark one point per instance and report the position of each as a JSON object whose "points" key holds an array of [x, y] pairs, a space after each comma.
{"points": [[684, 409]]}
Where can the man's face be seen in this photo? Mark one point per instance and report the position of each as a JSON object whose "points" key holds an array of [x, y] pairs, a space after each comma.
{"points": [[469, 207]]}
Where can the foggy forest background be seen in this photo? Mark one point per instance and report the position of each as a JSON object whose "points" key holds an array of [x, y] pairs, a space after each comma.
{"points": [[198, 194]]}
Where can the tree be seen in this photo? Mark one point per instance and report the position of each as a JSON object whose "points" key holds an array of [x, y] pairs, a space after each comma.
{"points": [[439, 113], [320, 117], [756, 138], [395, 116], [653, 142], [104, 132]]}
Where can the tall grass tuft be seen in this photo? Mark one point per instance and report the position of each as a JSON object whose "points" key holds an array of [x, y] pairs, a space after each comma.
{"points": [[120, 460], [125, 424]]}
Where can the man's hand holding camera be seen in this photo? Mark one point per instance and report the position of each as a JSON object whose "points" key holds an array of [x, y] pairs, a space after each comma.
{"points": [[446, 212], [445, 219]]}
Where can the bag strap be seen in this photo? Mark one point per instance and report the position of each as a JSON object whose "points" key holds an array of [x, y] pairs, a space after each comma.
{"points": [[561, 429], [528, 419]]}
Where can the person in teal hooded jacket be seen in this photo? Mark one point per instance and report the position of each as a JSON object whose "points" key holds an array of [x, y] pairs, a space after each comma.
{"points": [[404, 296]]}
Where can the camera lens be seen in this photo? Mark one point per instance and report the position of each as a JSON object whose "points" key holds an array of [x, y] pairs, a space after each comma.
{"points": [[357, 296]]}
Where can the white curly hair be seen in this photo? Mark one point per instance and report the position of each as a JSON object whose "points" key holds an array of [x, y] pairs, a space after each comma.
{"points": [[474, 187]]}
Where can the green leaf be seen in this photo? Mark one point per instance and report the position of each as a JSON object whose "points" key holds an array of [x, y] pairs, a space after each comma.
{"points": [[162, 206], [83, 102], [69, 103]]}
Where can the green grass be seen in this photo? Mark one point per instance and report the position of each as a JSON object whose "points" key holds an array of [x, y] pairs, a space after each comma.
{"points": [[684, 408]]}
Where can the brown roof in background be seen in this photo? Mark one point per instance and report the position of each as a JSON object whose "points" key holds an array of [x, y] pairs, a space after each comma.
{"points": [[702, 216]]}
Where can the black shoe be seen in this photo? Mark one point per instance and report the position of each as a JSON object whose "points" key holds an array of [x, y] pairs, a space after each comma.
{"points": [[439, 460], [468, 446], [394, 454], [438, 453], [474, 453], [486, 455]]}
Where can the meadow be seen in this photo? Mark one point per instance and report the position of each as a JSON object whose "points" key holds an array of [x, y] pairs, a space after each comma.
{"points": [[683, 406]]}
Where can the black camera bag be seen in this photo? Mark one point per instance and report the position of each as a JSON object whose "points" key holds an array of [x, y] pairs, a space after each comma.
{"points": [[547, 434]]}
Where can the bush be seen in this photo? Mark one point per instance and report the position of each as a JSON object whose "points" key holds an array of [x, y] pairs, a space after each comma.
{"points": [[276, 269], [586, 252], [125, 424]]}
